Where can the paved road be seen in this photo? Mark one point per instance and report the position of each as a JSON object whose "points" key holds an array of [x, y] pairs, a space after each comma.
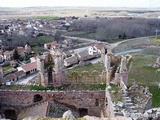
{"points": [[112, 45], [26, 80]]}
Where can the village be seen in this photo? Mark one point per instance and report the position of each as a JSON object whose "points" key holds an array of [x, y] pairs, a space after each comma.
{"points": [[50, 66]]}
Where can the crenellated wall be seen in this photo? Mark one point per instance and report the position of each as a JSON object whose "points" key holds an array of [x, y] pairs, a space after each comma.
{"points": [[85, 78]]}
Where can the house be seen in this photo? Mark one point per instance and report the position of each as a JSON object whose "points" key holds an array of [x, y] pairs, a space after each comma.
{"points": [[67, 41], [14, 76], [70, 61], [99, 49], [20, 74], [84, 55], [1, 57], [33, 59], [28, 68], [67, 54], [52, 45], [10, 78], [13, 63], [23, 50], [96, 48], [8, 55]]}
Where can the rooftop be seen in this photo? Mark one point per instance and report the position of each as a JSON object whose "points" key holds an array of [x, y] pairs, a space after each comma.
{"points": [[29, 66]]}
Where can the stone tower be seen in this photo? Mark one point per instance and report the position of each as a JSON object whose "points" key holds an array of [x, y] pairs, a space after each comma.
{"points": [[40, 68], [58, 64], [40, 64], [107, 61], [108, 67], [123, 65], [124, 68], [50, 76]]}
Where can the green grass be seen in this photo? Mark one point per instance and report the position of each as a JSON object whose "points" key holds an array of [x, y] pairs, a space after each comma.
{"points": [[7, 68], [98, 66], [38, 50], [86, 87], [42, 40], [140, 73], [155, 95], [115, 93], [145, 75], [46, 17], [36, 87], [156, 40]]}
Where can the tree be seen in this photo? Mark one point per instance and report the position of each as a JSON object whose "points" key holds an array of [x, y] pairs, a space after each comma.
{"points": [[58, 36], [26, 58], [15, 55], [124, 36], [119, 36]]}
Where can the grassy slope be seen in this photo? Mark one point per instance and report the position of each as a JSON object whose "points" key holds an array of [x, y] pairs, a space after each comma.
{"points": [[146, 76], [98, 66]]}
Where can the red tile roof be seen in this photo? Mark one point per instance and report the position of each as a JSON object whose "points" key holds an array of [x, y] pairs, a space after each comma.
{"points": [[8, 53], [54, 43], [29, 66], [100, 46]]}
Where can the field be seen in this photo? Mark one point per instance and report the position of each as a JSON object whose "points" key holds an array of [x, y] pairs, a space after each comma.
{"points": [[155, 40], [42, 40], [50, 17], [144, 75], [76, 11], [98, 66]]}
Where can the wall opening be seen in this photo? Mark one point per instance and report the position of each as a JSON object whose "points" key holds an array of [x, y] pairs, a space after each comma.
{"points": [[10, 114], [97, 102], [83, 112], [50, 76], [37, 98]]}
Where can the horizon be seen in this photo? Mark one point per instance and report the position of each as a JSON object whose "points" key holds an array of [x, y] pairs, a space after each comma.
{"points": [[81, 3]]}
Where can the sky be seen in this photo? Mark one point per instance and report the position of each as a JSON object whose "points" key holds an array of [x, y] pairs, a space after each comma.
{"points": [[86, 3]]}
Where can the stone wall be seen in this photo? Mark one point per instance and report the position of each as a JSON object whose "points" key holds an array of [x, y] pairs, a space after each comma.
{"points": [[141, 97], [78, 99], [85, 78]]}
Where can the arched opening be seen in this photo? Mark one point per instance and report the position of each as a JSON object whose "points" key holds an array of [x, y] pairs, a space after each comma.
{"points": [[10, 114], [50, 76], [97, 102], [37, 98], [83, 112]]}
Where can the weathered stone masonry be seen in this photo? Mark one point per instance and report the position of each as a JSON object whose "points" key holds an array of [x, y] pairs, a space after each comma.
{"points": [[17, 100]]}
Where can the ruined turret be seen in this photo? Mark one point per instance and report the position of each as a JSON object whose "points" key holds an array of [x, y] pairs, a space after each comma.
{"points": [[107, 62], [123, 65], [58, 64]]}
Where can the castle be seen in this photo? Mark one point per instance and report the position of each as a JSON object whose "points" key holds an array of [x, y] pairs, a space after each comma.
{"points": [[94, 103], [116, 69]]}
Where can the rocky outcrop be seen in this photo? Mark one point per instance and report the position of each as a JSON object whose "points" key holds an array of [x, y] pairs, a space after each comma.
{"points": [[68, 115]]}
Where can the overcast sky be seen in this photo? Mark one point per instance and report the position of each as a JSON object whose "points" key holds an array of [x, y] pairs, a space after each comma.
{"points": [[89, 3]]}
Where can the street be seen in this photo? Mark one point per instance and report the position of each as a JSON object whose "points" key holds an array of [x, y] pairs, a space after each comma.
{"points": [[26, 80]]}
